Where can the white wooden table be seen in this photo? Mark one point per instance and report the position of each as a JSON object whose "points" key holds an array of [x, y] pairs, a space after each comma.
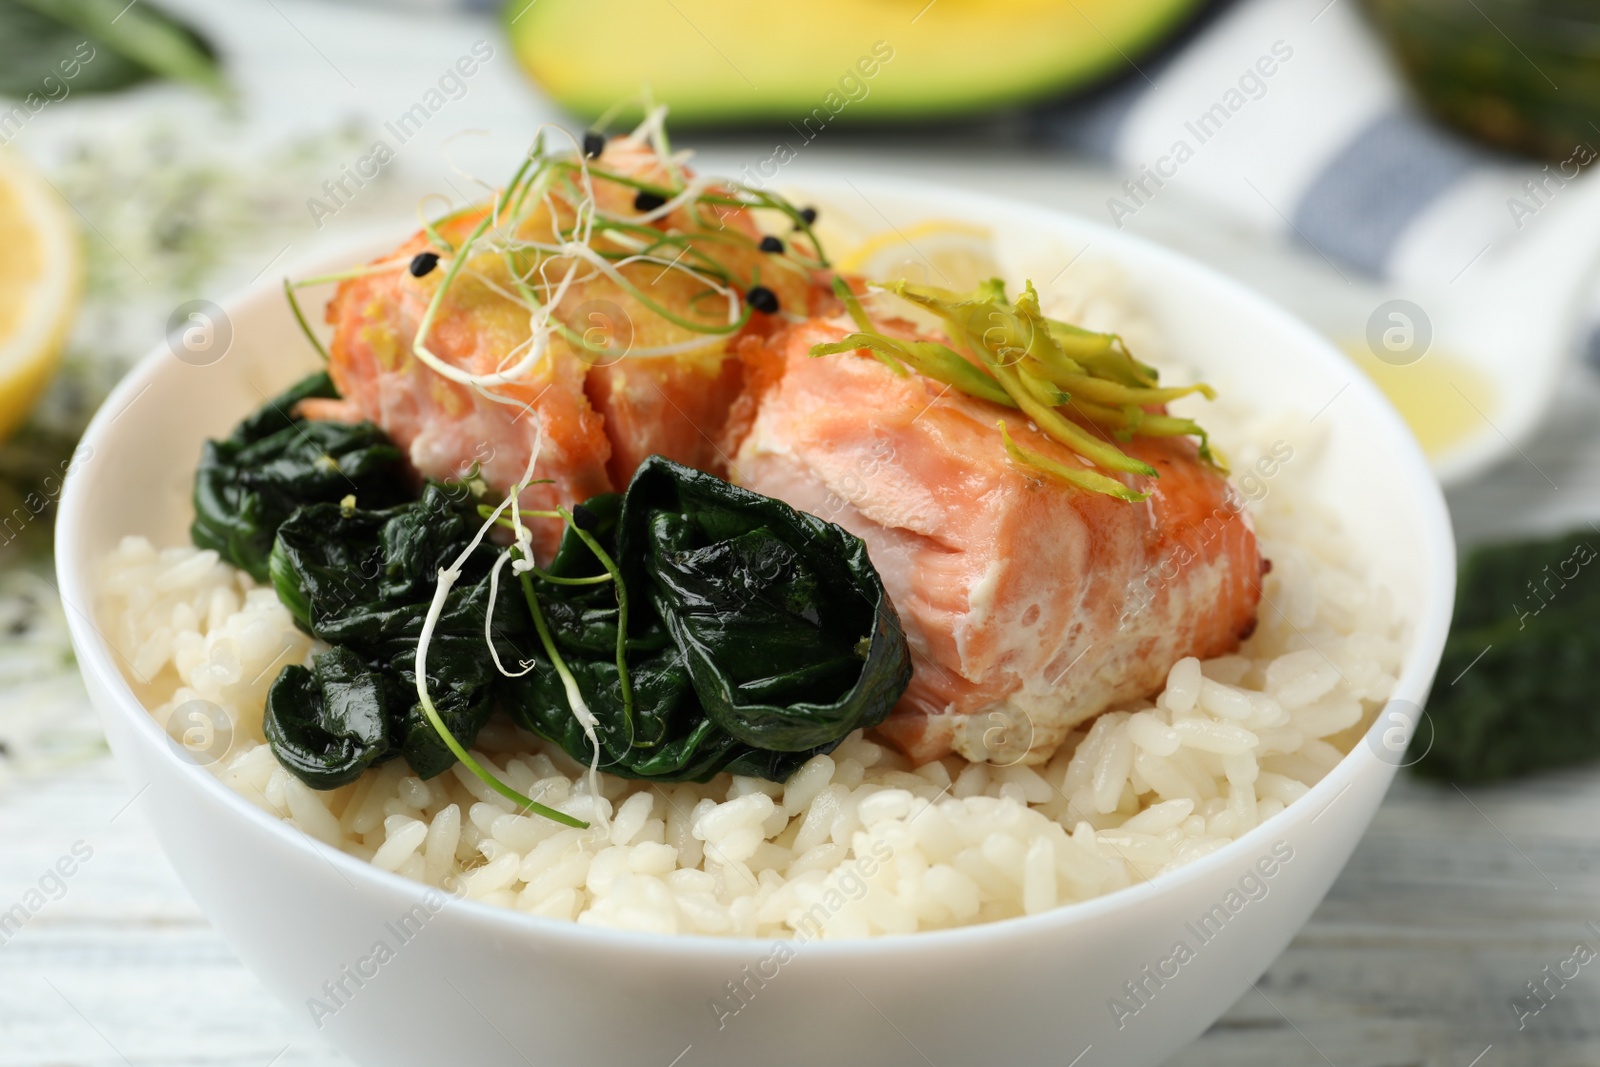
{"points": [[1451, 904]]}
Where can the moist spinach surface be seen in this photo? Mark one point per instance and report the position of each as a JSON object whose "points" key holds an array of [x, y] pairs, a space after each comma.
{"points": [[757, 635], [764, 635], [249, 483]]}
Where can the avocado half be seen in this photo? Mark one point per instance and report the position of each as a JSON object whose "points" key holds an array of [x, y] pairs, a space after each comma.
{"points": [[728, 61]]}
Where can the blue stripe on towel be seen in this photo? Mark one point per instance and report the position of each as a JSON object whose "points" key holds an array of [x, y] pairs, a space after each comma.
{"points": [[1093, 126], [1361, 204]]}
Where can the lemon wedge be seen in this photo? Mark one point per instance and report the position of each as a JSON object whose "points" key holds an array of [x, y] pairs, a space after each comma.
{"points": [[41, 277], [951, 255], [1444, 399]]}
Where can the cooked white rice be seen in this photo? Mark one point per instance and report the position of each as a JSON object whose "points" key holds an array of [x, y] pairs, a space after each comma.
{"points": [[855, 844]]}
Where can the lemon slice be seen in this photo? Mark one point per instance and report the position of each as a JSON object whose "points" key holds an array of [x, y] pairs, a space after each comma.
{"points": [[41, 275], [1443, 399], [951, 255]]}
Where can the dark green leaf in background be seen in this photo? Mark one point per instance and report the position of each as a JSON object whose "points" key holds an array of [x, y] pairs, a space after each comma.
{"points": [[1516, 687], [96, 46]]}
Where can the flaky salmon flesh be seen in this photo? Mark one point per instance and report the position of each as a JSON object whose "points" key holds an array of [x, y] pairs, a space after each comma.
{"points": [[601, 413], [1030, 606]]}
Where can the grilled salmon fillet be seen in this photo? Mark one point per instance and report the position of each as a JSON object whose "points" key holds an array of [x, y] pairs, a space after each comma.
{"points": [[1029, 605], [601, 413]]}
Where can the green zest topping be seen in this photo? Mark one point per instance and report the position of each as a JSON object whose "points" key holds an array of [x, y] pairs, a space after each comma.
{"points": [[1083, 479], [1039, 366]]}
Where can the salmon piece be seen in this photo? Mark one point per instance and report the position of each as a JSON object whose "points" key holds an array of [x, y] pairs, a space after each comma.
{"points": [[447, 428], [601, 413], [672, 406], [1029, 605]]}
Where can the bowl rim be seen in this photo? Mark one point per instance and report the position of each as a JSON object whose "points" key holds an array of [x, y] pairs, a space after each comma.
{"points": [[75, 581]]}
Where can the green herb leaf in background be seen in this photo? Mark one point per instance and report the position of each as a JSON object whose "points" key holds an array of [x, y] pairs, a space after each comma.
{"points": [[1515, 690], [34, 47], [129, 43]]}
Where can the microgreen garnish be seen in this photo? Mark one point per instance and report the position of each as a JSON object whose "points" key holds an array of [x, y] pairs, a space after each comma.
{"points": [[546, 231], [621, 589], [1046, 369], [448, 576], [300, 317]]}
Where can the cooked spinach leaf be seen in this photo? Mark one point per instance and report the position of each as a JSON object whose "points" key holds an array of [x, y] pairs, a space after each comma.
{"points": [[328, 724], [764, 635], [783, 622], [1515, 687], [363, 580], [756, 635], [250, 482]]}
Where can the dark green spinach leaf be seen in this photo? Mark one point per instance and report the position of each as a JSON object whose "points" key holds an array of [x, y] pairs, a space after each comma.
{"points": [[783, 623], [364, 581], [249, 483], [764, 635], [328, 724]]}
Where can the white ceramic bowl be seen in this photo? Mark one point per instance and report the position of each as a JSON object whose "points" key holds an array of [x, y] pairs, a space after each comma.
{"points": [[482, 985]]}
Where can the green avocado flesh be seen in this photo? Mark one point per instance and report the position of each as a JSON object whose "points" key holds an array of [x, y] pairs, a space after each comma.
{"points": [[718, 61]]}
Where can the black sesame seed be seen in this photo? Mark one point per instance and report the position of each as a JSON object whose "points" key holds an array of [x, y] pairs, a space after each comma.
{"points": [[771, 244], [584, 519], [808, 215], [423, 263], [763, 299], [594, 142], [647, 201]]}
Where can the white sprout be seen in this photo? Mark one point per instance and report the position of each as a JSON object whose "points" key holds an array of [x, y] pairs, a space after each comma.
{"points": [[448, 576], [577, 252], [450, 162], [488, 620]]}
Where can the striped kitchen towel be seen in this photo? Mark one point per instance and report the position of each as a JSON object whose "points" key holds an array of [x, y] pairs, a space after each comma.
{"points": [[1289, 114]]}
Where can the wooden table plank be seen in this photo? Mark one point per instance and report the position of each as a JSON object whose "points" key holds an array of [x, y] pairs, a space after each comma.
{"points": [[1414, 958]]}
